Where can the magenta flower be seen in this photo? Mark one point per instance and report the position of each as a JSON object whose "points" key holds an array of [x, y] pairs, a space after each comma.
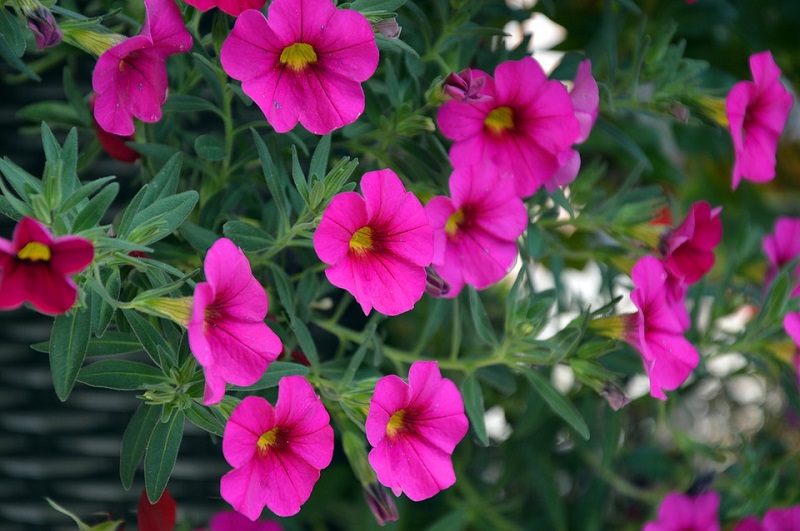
{"points": [[233, 521], [681, 512], [787, 519], [791, 323], [656, 332], [689, 249], [783, 246], [378, 245], [36, 267], [130, 79], [227, 333], [523, 129], [757, 112], [305, 63], [276, 453], [475, 232], [231, 7], [464, 87], [414, 429], [40, 21]]}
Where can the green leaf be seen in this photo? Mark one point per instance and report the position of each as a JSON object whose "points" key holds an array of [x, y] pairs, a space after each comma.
{"points": [[102, 311], [479, 318], [153, 150], [187, 103], [76, 197], [206, 419], [394, 45], [11, 33], [113, 343], [68, 342], [80, 523], [249, 238], [135, 439], [20, 180], [271, 176], [122, 375], [209, 147], [358, 357], [162, 451], [52, 111], [158, 220], [276, 371], [198, 237], [473, 405], [319, 160], [151, 340], [285, 289], [298, 177], [306, 342], [376, 7], [560, 405], [165, 182], [93, 212]]}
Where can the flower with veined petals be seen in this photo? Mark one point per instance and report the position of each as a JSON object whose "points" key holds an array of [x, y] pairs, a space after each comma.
{"points": [[414, 429], [227, 332], [276, 453], [787, 519], [783, 246], [656, 332], [130, 79], [523, 129], [304, 63], [233, 521], [475, 231], [681, 512], [757, 112], [36, 267], [377, 245], [231, 7]]}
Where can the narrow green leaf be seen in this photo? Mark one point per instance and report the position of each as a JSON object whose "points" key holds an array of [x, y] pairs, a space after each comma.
{"points": [[160, 219], [75, 198], [102, 311], [91, 214], [285, 290], [306, 342], [134, 440], [126, 223], [358, 357], [249, 238], [20, 180], [53, 111], [113, 343], [297, 176], [271, 176], [165, 182], [162, 451], [68, 342], [276, 371], [473, 405], [319, 160], [479, 318], [206, 419], [122, 375], [151, 340], [560, 405], [209, 147], [376, 7], [394, 45], [187, 103], [11, 33]]}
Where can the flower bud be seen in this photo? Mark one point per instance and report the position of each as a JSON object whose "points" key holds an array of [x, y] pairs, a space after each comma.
{"points": [[463, 87], [41, 22], [381, 504], [388, 27], [435, 286]]}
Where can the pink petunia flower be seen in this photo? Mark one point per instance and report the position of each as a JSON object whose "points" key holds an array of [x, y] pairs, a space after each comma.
{"points": [[377, 245], [523, 129], [276, 453], [791, 323], [783, 246], [757, 112], [656, 332], [689, 249], [475, 231], [113, 144], [414, 429], [233, 521], [231, 7], [786, 519], [130, 79], [681, 512], [304, 63], [36, 267], [227, 332]]}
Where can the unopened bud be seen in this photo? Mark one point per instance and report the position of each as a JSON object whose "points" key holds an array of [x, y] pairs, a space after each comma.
{"points": [[464, 87], [435, 286], [45, 30], [381, 504], [616, 398], [388, 27]]}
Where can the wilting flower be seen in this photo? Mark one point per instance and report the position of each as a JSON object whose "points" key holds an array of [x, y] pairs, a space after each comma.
{"points": [[414, 429], [231, 7], [475, 230], [36, 267], [783, 246], [689, 249], [757, 112], [523, 129], [464, 87], [377, 245], [227, 332], [130, 79], [233, 521], [656, 332], [41, 23], [681, 512], [113, 144], [305, 62], [787, 519], [276, 453]]}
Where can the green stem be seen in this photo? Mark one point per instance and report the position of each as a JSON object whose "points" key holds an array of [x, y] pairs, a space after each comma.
{"points": [[618, 483]]}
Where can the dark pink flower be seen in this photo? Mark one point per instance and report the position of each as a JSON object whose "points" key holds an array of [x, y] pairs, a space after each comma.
{"points": [[377, 245], [523, 129], [304, 63], [689, 249], [113, 144], [414, 429], [783, 246], [656, 331], [159, 516], [227, 332], [475, 230], [276, 453], [464, 87], [233, 521], [130, 79], [36, 267], [681, 512], [231, 7], [757, 112], [786, 519], [791, 323]]}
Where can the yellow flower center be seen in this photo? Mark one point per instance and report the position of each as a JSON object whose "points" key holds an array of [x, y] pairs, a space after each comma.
{"points": [[453, 222], [361, 240], [298, 56], [500, 119], [34, 252], [269, 439], [395, 423]]}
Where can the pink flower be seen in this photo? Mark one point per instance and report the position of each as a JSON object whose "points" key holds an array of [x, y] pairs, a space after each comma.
{"points": [[227, 333], [276, 453], [689, 249], [233, 521], [305, 62], [523, 129], [782, 247], [130, 79], [378, 245], [113, 144], [231, 7], [656, 332], [475, 232], [463, 87], [680, 512], [757, 112], [791, 323], [414, 429], [787, 519], [36, 267]]}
